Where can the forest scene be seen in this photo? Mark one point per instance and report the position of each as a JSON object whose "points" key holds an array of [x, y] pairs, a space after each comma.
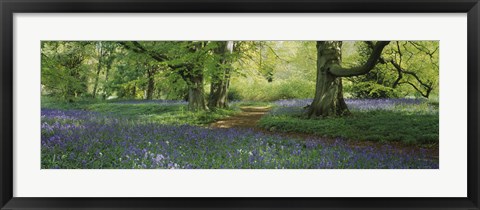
{"points": [[239, 104]]}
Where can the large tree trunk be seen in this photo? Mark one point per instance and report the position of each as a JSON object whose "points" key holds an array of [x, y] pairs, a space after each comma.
{"points": [[150, 84], [150, 88], [221, 81], [328, 100], [196, 95], [218, 94]]}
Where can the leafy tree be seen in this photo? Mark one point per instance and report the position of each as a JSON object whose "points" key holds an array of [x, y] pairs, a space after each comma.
{"points": [[63, 69], [416, 65], [262, 70], [105, 52], [185, 58], [406, 67], [133, 76], [221, 70], [328, 100]]}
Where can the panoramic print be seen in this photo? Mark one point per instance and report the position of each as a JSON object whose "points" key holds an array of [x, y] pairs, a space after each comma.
{"points": [[240, 104]]}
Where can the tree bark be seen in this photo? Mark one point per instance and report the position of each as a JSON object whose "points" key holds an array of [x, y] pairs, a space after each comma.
{"points": [[134, 90], [372, 60], [194, 78], [107, 70], [328, 100], [150, 84], [72, 90], [218, 94], [221, 81], [196, 94], [99, 68], [95, 86]]}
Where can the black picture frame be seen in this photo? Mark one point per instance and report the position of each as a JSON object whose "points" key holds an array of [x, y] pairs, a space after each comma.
{"points": [[9, 7]]}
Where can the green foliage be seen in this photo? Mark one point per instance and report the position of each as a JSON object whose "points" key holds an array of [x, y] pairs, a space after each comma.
{"points": [[170, 86], [53, 103], [416, 124], [73, 70], [406, 68], [259, 70], [371, 90], [261, 90], [273, 70], [234, 95], [64, 73]]}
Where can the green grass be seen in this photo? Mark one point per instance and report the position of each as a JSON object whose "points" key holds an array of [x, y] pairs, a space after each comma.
{"points": [[53, 103], [411, 127], [147, 112], [178, 114]]}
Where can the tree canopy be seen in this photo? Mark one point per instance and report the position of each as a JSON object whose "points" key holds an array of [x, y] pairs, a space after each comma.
{"points": [[208, 74]]}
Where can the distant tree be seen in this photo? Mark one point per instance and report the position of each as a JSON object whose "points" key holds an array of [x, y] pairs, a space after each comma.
{"points": [[105, 53]]}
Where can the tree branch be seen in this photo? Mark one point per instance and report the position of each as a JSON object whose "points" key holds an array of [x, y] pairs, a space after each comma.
{"points": [[276, 55], [428, 87], [339, 71], [418, 90], [138, 48]]}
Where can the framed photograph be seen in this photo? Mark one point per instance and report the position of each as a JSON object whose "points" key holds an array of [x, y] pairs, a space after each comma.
{"points": [[239, 104]]}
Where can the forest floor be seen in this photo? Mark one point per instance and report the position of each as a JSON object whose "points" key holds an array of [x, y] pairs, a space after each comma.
{"points": [[250, 116], [163, 134]]}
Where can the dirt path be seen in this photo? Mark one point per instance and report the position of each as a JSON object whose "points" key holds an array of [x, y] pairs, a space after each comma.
{"points": [[248, 118]]}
